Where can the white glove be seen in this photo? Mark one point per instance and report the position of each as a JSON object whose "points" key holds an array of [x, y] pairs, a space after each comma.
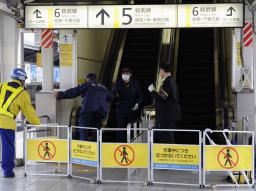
{"points": [[135, 107], [151, 87]]}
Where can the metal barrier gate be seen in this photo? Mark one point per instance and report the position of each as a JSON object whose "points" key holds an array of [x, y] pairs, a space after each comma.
{"points": [[58, 156], [176, 158], [44, 155], [124, 156], [228, 159], [84, 156]]}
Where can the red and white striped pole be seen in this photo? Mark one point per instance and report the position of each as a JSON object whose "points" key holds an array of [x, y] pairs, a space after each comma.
{"points": [[247, 35], [47, 59], [47, 38]]}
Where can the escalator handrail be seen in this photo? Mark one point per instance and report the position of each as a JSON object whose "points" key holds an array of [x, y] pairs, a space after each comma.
{"points": [[159, 55], [112, 50]]}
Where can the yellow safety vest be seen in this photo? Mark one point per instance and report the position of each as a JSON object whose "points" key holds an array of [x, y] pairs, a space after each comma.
{"points": [[7, 96]]}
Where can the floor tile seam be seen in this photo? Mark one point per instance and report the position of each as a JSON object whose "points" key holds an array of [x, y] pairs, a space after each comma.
{"points": [[46, 189]]}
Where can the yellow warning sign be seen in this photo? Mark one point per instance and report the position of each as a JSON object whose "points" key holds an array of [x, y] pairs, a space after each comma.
{"points": [[85, 153], [66, 47], [238, 54], [185, 157], [38, 59], [228, 158], [132, 155], [47, 150], [66, 55]]}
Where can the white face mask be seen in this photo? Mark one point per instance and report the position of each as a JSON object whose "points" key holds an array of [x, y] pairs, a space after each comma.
{"points": [[125, 77]]}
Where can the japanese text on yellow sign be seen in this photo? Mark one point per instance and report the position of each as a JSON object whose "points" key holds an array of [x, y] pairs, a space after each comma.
{"points": [[84, 153], [238, 54], [228, 158], [66, 54], [47, 150], [125, 155], [38, 59], [184, 157]]}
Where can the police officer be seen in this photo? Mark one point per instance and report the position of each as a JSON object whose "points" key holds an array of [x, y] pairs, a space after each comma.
{"points": [[95, 98], [13, 98], [129, 97], [168, 110]]}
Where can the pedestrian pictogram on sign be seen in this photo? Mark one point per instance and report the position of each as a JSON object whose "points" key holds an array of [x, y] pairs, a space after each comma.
{"points": [[46, 150], [228, 157], [124, 155]]}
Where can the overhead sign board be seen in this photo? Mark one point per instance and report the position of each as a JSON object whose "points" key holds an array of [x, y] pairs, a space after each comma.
{"points": [[132, 16], [135, 16], [211, 15], [56, 17]]}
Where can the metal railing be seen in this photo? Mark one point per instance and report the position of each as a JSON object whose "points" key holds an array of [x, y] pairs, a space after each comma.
{"points": [[146, 155]]}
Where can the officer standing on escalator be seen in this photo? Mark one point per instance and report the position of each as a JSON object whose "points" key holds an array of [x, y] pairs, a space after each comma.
{"points": [[128, 94], [13, 99]]}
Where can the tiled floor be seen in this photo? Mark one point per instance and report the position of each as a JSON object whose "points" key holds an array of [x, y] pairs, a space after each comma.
{"points": [[47, 183]]}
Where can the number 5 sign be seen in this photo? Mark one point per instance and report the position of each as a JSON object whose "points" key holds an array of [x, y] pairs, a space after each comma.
{"points": [[139, 16]]}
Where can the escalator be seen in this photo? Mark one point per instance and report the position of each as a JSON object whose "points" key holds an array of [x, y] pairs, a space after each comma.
{"points": [[140, 54], [195, 79]]}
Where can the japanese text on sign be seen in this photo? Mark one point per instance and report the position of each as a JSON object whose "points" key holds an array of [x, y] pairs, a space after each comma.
{"points": [[136, 16], [84, 153], [184, 157], [56, 17], [129, 16], [210, 15]]}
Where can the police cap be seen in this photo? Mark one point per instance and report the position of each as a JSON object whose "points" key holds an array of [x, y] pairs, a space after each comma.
{"points": [[126, 70], [91, 77]]}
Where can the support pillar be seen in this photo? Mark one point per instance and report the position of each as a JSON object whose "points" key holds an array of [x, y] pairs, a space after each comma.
{"points": [[8, 46], [68, 59], [47, 63]]}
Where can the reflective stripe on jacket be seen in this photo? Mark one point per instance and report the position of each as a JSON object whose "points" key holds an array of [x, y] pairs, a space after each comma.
{"points": [[21, 102], [7, 95]]}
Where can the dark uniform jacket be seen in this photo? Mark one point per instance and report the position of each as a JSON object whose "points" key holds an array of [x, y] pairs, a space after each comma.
{"points": [[127, 95], [95, 97], [167, 102]]}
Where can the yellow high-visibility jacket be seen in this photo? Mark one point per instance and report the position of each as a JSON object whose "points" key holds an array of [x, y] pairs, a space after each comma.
{"points": [[18, 100]]}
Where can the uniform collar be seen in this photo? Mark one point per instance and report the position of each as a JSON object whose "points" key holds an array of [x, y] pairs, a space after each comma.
{"points": [[17, 81], [166, 77], [126, 84]]}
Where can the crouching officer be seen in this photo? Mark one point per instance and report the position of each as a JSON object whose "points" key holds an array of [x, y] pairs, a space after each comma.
{"points": [[13, 98], [95, 98]]}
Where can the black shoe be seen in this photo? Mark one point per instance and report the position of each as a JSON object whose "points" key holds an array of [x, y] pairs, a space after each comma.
{"points": [[10, 176]]}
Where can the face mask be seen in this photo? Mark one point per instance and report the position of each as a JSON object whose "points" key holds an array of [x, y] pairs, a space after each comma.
{"points": [[125, 77]]}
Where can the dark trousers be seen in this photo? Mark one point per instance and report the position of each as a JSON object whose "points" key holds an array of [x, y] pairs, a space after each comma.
{"points": [[164, 136], [89, 119], [8, 150], [122, 120]]}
